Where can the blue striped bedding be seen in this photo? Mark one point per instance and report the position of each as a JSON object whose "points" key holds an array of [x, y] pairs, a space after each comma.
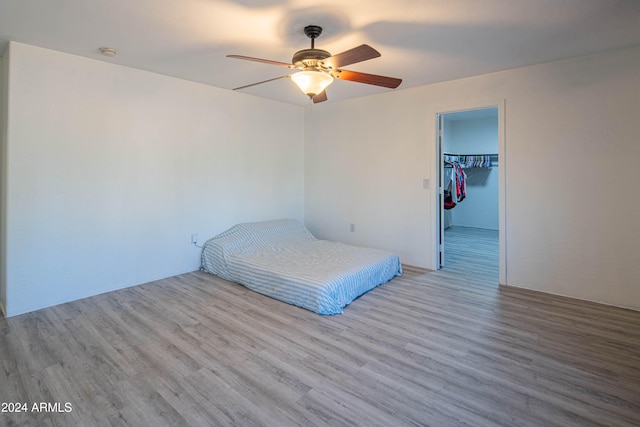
{"points": [[283, 260]]}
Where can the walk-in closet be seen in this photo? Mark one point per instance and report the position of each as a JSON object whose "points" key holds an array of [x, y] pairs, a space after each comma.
{"points": [[470, 181]]}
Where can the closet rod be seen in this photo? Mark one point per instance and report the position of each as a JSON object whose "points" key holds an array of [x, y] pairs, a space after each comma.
{"points": [[457, 158]]}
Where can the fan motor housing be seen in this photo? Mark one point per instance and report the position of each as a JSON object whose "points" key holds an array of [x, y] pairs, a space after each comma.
{"points": [[306, 58]]}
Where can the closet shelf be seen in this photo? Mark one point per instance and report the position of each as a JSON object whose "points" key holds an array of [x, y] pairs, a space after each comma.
{"points": [[471, 160]]}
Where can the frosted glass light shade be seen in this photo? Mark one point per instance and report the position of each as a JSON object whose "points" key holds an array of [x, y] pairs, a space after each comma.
{"points": [[312, 82]]}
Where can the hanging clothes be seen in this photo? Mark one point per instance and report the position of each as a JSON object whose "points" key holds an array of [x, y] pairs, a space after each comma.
{"points": [[448, 199], [456, 189], [471, 160], [449, 179], [460, 182]]}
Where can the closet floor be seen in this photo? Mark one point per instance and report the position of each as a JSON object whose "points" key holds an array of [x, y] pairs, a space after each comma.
{"points": [[472, 251]]}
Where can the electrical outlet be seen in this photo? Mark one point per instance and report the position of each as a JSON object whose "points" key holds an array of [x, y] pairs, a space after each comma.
{"points": [[194, 239], [425, 184]]}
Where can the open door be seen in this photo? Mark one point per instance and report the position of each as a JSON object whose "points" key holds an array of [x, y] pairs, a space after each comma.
{"points": [[440, 216]]}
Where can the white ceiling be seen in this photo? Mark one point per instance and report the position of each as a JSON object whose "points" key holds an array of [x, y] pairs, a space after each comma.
{"points": [[421, 41]]}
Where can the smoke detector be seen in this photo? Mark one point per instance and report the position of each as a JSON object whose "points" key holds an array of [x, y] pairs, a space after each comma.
{"points": [[108, 51]]}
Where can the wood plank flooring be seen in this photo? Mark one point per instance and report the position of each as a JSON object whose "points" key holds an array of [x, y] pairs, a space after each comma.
{"points": [[443, 348], [472, 251]]}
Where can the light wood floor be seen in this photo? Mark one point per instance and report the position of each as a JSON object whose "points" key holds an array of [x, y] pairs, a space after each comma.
{"points": [[428, 348], [472, 251]]}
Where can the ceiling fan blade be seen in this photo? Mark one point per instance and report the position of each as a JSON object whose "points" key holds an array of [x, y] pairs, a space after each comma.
{"points": [[351, 56], [321, 97], [259, 83], [264, 61], [371, 79]]}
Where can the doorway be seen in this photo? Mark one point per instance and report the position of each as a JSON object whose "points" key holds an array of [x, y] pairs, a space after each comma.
{"points": [[470, 202]]}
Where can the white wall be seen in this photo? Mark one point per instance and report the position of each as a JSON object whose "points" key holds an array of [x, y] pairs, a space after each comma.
{"points": [[111, 169], [475, 136], [108, 171], [572, 225]]}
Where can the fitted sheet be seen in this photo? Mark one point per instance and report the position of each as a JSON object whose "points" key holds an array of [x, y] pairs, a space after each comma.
{"points": [[283, 260]]}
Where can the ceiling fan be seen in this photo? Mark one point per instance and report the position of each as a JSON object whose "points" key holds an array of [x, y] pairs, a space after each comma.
{"points": [[317, 68]]}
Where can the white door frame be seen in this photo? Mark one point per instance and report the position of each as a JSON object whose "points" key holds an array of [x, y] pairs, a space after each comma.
{"points": [[436, 168]]}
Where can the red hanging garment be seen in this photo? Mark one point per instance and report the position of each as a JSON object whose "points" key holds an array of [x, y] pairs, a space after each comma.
{"points": [[461, 185]]}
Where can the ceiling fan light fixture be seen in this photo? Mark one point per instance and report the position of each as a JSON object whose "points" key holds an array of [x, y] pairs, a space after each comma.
{"points": [[317, 68], [312, 83]]}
